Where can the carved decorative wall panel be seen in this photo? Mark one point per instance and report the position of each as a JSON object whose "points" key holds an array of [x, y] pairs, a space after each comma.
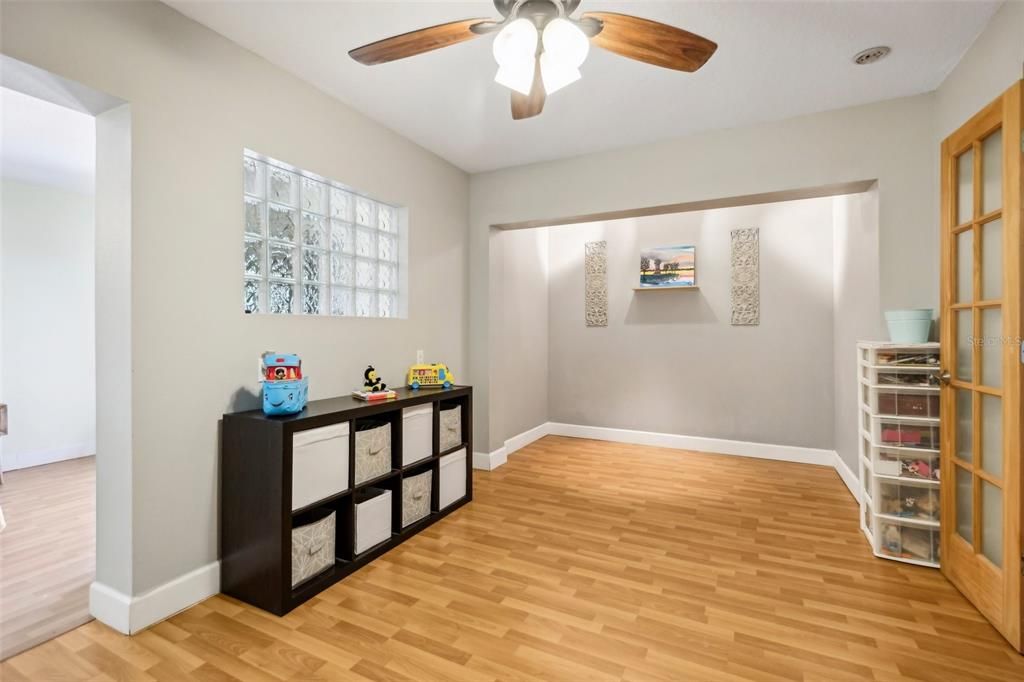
{"points": [[595, 271], [746, 277]]}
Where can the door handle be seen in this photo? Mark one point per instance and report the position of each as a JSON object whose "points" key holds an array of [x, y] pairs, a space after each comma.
{"points": [[945, 378]]}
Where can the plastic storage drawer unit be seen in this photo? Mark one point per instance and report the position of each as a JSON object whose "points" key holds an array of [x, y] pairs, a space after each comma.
{"points": [[905, 402], [312, 549], [417, 432], [918, 501], [451, 428], [907, 357], [452, 484], [906, 432], [906, 541], [905, 463], [319, 464], [373, 451], [416, 497], [373, 519]]}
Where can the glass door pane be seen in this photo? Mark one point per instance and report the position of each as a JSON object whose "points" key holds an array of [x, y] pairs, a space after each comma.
{"points": [[992, 172], [992, 435], [964, 344], [965, 504], [992, 260], [965, 187], [992, 523], [964, 424], [991, 347], [965, 266]]}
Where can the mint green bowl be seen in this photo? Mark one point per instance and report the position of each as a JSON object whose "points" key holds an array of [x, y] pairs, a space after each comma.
{"points": [[909, 326]]}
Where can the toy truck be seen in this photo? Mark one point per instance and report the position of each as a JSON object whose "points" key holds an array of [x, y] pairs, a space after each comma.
{"points": [[434, 374]]}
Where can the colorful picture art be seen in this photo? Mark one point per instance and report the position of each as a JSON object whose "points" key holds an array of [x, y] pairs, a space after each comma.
{"points": [[668, 266]]}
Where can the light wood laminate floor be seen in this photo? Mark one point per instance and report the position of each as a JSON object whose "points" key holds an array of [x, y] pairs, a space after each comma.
{"points": [[47, 551], [582, 560]]}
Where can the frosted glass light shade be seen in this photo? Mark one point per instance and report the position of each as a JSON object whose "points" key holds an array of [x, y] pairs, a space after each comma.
{"points": [[515, 48], [518, 77], [565, 43], [556, 75], [516, 43]]}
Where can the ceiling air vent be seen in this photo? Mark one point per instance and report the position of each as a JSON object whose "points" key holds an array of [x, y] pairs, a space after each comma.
{"points": [[871, 55]]}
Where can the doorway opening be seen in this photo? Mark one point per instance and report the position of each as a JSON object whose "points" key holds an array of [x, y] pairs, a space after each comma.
{"points": [[47, 368], [63, 156]]}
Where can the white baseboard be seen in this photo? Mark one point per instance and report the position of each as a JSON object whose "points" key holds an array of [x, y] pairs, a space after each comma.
{"points": [[526, 437], [111, 607], [720, 446], [24, 460], [133, 614], [847, 476], [489, 461]]}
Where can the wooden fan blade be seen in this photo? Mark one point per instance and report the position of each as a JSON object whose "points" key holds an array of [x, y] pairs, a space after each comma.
{"points": [[651, 42], [526, 106], [416, 42]]}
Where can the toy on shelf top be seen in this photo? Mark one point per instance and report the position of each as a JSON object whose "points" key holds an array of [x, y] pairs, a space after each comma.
{"points": [[281, 366], [285, 390], [373, 387], [433, 374], [373, 383]]}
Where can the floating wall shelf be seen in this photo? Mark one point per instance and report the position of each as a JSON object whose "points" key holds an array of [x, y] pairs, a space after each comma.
{"points": [[665, 288]]}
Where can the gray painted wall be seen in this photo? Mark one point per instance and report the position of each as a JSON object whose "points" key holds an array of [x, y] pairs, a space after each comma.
{"points": [[992, 65], [855, 309], [197, 100], [894, 142], [891, 142], [522, 325], [670, 361]]}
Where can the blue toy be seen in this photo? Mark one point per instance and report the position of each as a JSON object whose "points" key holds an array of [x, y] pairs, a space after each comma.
{"points": [[283, 396]]}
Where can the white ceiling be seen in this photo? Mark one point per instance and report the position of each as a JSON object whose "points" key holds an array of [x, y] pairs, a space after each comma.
{"points": [[46, 144], [775, 60]]}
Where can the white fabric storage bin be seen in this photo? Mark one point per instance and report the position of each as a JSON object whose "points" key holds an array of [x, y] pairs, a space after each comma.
{"points": [[373, 520], [373, 453], [312, 549], [417, 429], [319, 463], [451, 428], [453, 478], [416, 497]]}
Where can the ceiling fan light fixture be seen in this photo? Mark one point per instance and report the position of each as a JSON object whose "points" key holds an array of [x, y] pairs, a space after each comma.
{"points": [[516, 43], [518, 77], [515, 50], [565, 43], [556, 75], [540, 49]]}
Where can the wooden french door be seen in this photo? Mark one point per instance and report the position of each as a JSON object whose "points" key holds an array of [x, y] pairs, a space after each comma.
{"points": [[981, 333]]}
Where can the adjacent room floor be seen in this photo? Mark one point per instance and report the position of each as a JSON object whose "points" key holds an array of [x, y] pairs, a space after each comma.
{"points": [[47, 552], [588, 560]]}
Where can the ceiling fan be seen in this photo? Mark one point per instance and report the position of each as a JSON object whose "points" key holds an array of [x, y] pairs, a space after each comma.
{"points": [[540, 47]]}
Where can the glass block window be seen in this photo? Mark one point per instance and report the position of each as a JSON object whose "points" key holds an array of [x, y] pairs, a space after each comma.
{"points": [[313, 246]]}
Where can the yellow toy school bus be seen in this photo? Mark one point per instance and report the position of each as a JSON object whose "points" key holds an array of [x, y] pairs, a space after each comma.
{"points": [[434, 374]]}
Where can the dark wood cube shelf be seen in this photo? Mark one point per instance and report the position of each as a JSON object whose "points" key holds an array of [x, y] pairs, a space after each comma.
{"points": [[257, 518]]}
